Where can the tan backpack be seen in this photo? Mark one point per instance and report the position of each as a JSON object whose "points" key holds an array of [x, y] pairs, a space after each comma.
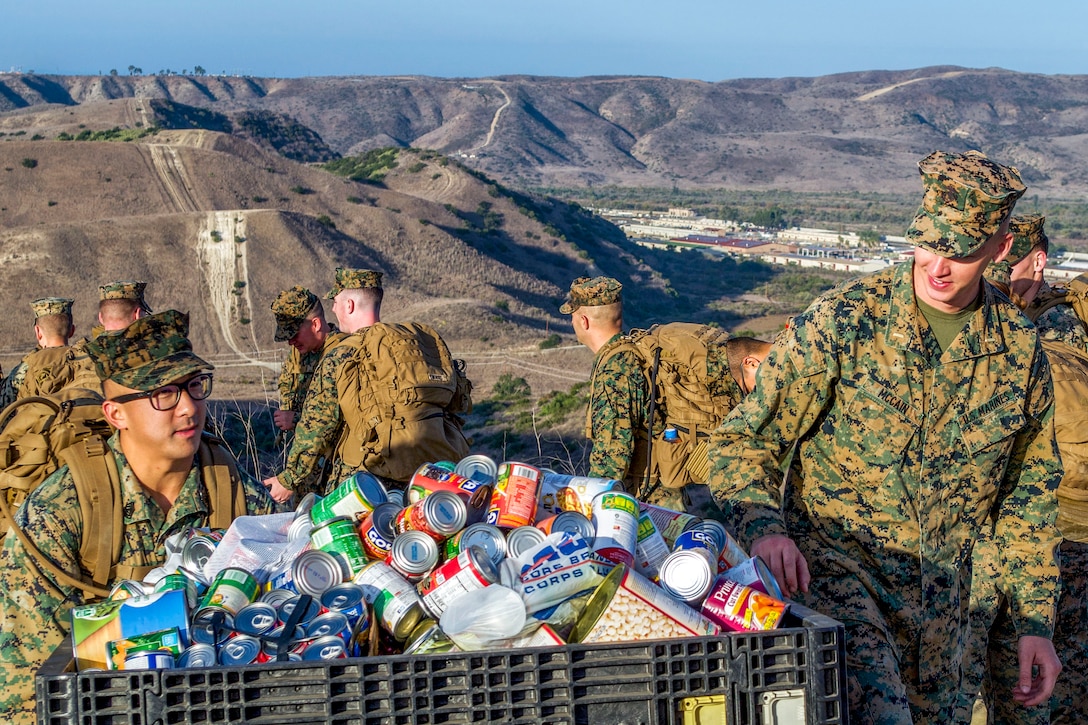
{"points": [[400, 395], [1074, 294], [54, 369], [674, 361], [1069, 369]]}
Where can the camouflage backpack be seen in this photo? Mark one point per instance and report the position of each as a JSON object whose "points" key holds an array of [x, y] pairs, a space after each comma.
{"points": [[674, 360], [400, 395], [1074, 294]]}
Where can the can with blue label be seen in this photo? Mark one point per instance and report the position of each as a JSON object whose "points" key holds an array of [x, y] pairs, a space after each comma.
{"points": [[346, 599]]}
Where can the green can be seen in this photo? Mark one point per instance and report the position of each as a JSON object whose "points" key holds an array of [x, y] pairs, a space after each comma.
{"points": [[231, 590], [356, 497], [339, 537], [179, 581]]}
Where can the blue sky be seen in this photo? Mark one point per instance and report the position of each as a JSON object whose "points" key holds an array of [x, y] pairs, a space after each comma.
{"points": [[704, 39]]}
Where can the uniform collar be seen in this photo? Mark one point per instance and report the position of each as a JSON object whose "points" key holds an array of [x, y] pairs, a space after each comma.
{"points": [[138, 504]]}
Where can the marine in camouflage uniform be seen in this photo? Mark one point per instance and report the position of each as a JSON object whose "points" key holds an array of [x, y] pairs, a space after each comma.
{"points": [[55, 365], [34, 606], [905, 453], [991, 660]]}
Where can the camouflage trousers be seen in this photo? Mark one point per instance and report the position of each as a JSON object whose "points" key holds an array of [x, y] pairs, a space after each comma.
{"points": [[1069, 704], [694, 498]]}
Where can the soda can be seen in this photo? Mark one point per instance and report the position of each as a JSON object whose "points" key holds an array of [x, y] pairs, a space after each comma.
{"points": [[521, 539], [485, 536], [256, 618], [730, 552], [686, 575], [651, 549], [180, 582], [513, 500], [377, 532], [670, 524], [346, 599], [241, 649], [560, 492], [615, 527], [470, 571], [325, 648], [357, 495], [396, 603], [414, 554], [334, 623], [211, 626], [440, 515], [314, 572], [339, 537], [232, 589], [197, 655], [158, 659], [478, 467], [574, 522], [287, 611], [360, 636], [196, 552], [700, 541], [429, 478]]}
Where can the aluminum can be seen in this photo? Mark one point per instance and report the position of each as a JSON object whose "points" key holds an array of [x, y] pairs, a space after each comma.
{"points": [[429, 478], [196, 552], [699, 541], [197, 655], [670, 524], [300, 528], [574, 522], [211, 625], [686, 575], [651, 549], [485, 536], [396, 496], [287, 610], [334, 623], [180, 582], [730, 552], [377, 532], [478, 467], [231, 590], [521, 539], [360, 637], [560, 492], [256, 618], [339, 537], [277, 597], [740, 608], [305, 505], [440, 515], [325, 648], [615, 527], [396, 603], [314, 572], [470, 571], [426, 639], [158, 659], [357, 495], [126, 589], [293, 646], [414, 554], [756, 574], [513, 501], [346, 599], [241, 649]]}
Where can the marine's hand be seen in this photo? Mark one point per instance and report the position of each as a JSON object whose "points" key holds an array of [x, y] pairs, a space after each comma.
{"points": [[285, 419], [785, 561], [1039, 668], [279, 493]]}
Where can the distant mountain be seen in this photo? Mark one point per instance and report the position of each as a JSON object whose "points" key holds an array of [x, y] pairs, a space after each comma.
{"points": [[854, 131]]}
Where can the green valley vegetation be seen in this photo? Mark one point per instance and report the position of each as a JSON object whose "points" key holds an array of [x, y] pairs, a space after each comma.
{"points": [[369, 167], [113, 134]]}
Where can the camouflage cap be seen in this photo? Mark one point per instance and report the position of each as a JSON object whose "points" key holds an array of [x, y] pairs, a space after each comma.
{"points": [[966, 198], [125, 291], [51, 306], [151, 352], [591, 292], [354, 279], [290, 308], [1027, 232]]}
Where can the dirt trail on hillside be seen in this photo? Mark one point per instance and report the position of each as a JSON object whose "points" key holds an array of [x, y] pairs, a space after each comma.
{"points": [[172, 176], [881, 91], [495, 118], [225, 262]]}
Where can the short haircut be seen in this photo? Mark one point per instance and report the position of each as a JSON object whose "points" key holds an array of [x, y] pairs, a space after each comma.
{"points": [[54, 325], [610, 315], [366, 295], [318, 310], [1043, 246], [738, 348], [117, 310]]}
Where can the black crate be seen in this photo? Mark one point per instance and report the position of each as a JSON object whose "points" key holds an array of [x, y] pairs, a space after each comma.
{"points": [[768, 677]]}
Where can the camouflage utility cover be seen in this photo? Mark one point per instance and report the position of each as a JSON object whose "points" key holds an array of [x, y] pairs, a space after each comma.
{"points": [[125, 291], [151, 352], [291, 308], [591, 292], [52, 306], [966, 198], [298, 370], [1027, 232], [354, 279]]}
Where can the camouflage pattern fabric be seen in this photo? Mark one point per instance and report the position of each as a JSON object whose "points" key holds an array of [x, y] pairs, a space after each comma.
{"points": [[298, 370], [35, 609], [1027, 232], [9, 391], [151, 352], [354, 279], [592, 292], [49, 370], [619, 400], [125, 291], [905, 454], [290, 309], [52, 306], [1061, 323], [318, 428], [1069, 704]]}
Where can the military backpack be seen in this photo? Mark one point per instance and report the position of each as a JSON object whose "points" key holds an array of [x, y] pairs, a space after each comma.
{"points": [[684, 399], [1069, 370], [1074, 294], [401, 394]]}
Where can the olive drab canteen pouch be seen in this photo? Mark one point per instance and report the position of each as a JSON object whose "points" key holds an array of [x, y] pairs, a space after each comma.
{"points": [[674, 361], [400, 396], [34, 431], [1069, 370], [1074, 294], [98, 489]]}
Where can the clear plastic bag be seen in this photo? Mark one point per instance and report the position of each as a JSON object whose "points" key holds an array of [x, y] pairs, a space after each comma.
{"points": [[482, 618]]}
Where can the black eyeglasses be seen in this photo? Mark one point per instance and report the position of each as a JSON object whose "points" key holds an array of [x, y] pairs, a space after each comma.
{"points": [[199, 387]]}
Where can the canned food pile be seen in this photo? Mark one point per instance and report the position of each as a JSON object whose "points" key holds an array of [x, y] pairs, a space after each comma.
{"points": [[471, 555]]}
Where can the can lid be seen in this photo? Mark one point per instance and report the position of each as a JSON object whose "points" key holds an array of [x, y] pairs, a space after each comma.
{"points": [[241, 649], [478, 467], [523, 538], [256, 618], [686, 575], [369, 487], [316, 571], [415, 552], [574, 522], [330, 647], [198, 654], [716, 529], [382, 518], [487, 537], [328, 623], [445, 512], [342, 596], [598, 603]]}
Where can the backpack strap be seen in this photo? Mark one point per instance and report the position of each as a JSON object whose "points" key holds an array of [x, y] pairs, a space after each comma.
{"points": [[98, 489], [226, 494]]}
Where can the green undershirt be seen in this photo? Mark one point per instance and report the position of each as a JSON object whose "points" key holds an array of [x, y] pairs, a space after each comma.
{"points": [[946, 325]]}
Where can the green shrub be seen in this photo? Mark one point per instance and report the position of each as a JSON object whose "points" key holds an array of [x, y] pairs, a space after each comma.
{"points": [[416, 167], [550, 341], [216, 236], [299, 189], [30, 163], [326, 221]]}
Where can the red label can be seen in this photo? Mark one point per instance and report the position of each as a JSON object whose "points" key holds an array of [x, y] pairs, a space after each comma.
{"points": [[513, 502], [471, 570]]}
